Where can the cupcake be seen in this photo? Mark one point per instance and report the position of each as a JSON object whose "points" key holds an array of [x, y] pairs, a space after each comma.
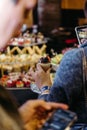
{"points": [[19, 84], [45, 62]]}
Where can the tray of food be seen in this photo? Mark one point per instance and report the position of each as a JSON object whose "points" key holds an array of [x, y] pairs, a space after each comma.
{"points": [[15, 80], [28, 39]]}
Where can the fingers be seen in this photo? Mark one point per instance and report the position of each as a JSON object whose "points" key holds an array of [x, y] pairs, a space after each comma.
{"points": [[43, 106], [30, 74], [31, 70], [58, 105], [31, 78], [47, 105], [48, 71], [39, 111], [39, 67]]}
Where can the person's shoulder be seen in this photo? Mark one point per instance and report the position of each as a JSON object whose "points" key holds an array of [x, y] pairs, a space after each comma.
{"points": [[73, 53], [72, 56]]}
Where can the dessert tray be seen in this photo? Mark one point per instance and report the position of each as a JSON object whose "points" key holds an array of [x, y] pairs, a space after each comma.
{"points": [[18, 81], [16, 59], [28, 39]]}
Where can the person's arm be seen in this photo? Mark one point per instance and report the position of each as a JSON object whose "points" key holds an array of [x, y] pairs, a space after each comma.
{"points": [[67, 81], [42, 80], [35, 112]]}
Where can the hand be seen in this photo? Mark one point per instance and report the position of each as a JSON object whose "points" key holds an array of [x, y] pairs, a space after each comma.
{"points": [[35, 112], [40, 77]]}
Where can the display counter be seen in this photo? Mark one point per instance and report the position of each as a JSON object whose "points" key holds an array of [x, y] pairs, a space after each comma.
{"points": [[22, 94]]}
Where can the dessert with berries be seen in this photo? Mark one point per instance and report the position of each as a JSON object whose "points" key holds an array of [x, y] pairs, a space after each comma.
{"points": [[19, 84], [45, 62]]}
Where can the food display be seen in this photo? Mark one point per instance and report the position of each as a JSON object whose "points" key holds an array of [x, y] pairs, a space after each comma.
{"points": [[15, 80], [25, 53], [22, 60], [28, 39], [56, 59], [17, 76]]}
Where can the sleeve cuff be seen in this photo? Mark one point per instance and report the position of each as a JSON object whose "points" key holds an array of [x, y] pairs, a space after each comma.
{"points": [[45, 89]]}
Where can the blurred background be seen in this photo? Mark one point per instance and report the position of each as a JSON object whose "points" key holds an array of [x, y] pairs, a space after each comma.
{"points": [[57, 20]]}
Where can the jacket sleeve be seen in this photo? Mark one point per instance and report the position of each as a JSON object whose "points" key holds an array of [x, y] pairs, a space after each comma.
{"points": [[68, 79]]}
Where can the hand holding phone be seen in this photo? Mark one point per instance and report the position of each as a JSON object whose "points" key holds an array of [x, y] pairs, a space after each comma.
{"points": [[60, 120]]}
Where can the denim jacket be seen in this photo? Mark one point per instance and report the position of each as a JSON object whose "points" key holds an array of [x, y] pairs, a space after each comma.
{"points": [[68, 83]]}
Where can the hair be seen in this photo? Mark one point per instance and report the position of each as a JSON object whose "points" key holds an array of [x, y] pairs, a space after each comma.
{"points": [[10, 118], [85, 8]]}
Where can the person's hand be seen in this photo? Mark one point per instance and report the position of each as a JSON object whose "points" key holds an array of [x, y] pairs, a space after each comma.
{"points": [[40, 77], [35, 112]]}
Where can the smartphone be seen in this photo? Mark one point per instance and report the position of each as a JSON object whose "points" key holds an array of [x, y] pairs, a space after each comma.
{"points": [[81, 33], [60, 120]]}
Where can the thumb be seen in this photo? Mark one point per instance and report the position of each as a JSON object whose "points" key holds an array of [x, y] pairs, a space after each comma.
{"points": [[48, 71], [31, 71], [39, 67]]}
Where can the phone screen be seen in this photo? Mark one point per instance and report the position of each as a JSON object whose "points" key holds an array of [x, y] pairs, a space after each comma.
{"points": [[60, 120], [81, 33]]}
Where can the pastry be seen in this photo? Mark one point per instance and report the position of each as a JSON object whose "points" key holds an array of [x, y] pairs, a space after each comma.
{"points": [[45, 62], [19, 84]]}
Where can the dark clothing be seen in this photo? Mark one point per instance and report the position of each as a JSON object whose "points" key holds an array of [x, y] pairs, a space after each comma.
{"points": [[68, 83]]}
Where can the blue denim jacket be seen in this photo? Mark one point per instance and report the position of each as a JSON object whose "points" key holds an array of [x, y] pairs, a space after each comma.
{"points": [[68, 83]]}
